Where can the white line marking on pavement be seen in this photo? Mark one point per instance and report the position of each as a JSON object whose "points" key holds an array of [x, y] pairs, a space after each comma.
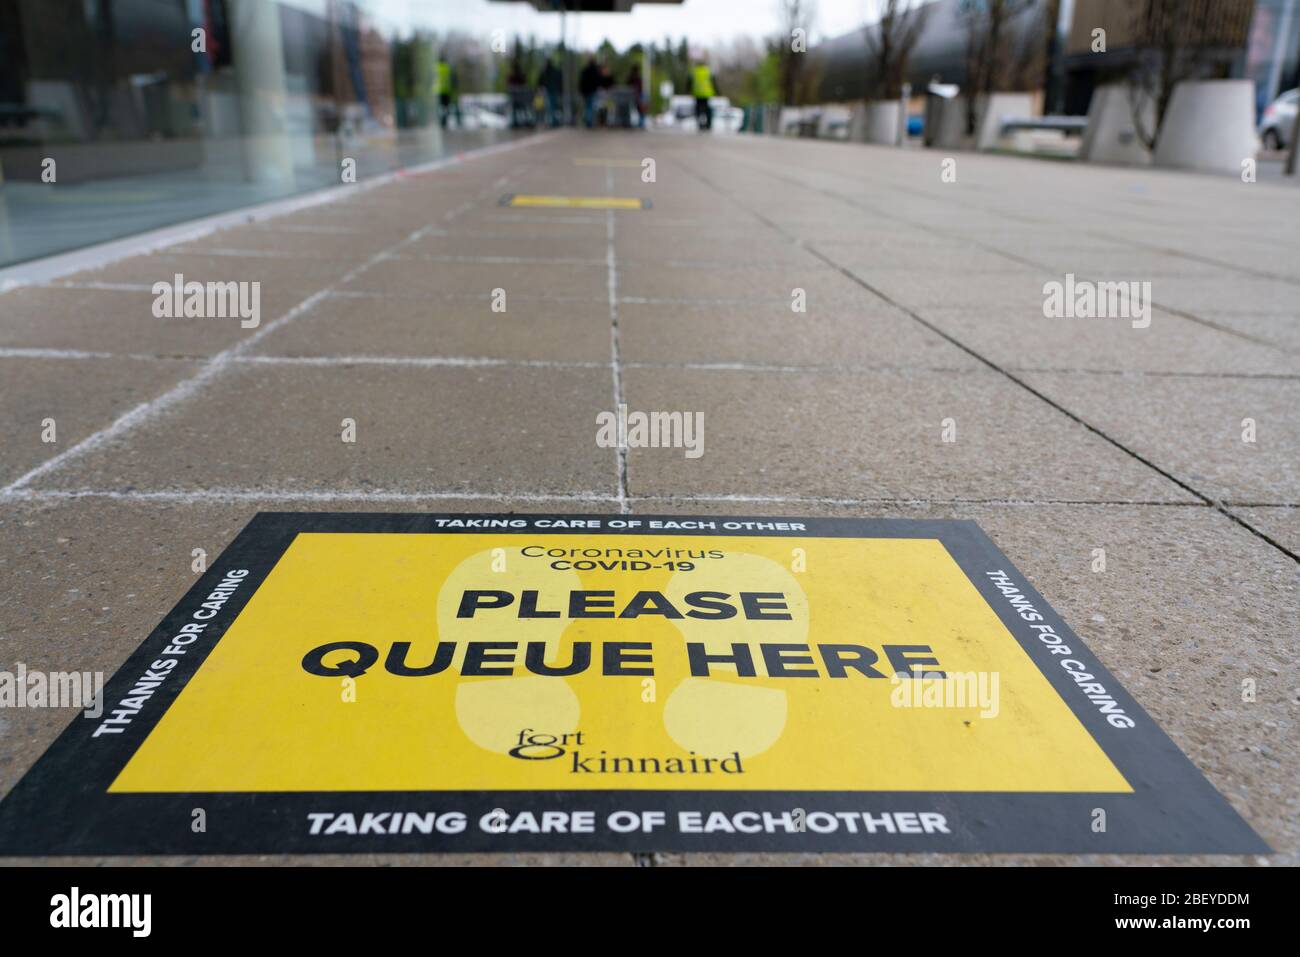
{"points": [[615, 348], [18, 353], [504, 260], [740, 300], [200, 496], [103, 286], [435, 296], [470, 362], [232, 252], [505, 362]]}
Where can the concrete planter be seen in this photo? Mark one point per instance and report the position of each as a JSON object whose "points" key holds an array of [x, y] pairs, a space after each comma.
{"points": [[945, 123], [990, 111], [858, 123], [1111, 136], [772, 120], [880, 122], [1209, 127], [834, 122]]}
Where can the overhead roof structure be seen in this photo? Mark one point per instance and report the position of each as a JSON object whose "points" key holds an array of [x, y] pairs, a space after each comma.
{"points": [[587, 6]]}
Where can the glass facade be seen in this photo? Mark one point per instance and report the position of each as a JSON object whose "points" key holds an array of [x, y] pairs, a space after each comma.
{"points": [[119, 116]]}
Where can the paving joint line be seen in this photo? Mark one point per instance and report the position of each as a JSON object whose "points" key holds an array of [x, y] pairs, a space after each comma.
{"points": [[39, 352], [200, 496], [615, 339]]}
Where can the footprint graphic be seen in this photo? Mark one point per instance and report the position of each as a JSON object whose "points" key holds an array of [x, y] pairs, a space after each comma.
{"points": [[492, 711], [715, 716]]}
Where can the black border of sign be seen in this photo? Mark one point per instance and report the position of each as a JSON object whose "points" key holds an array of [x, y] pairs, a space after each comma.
{"points": [[61, 806]]}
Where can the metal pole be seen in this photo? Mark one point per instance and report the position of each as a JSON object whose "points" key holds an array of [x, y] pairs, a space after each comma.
{"points": [[567, 66], [647, 79], [1295, 135]]}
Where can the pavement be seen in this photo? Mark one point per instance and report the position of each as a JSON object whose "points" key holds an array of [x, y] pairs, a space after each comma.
{"points": [[924, 318]]}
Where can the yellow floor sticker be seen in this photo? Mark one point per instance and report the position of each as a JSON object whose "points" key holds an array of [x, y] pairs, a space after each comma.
{"points": [[396, 682], [575, 202], [824, 731]]}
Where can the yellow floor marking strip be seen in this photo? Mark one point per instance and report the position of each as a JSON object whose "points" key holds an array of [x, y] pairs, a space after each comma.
{"points": [[577, 202]]}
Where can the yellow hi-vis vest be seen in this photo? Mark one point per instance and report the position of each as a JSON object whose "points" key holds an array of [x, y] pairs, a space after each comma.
{"points": [[442, 78], [702, 83]]}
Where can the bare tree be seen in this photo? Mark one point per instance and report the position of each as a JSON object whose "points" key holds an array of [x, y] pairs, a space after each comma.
{"points": [[890, 44], [1175, 41], [990, 63], [796, 17]]}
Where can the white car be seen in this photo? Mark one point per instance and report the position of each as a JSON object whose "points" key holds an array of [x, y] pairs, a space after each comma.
{"points": [[1278, 120]]}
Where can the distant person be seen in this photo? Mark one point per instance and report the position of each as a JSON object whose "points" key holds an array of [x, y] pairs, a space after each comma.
{"points": [[588, 86], [605, 107], [521, 95], [703, 88], [551, 80], [442, 87], [638, 94]]}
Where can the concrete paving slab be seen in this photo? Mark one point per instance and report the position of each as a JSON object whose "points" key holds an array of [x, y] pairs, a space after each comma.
{"points": [[424, 277], [112, 321], [1192, 294], [572, 330], [1251, 253], [1279, 329], [906, 252], [81, 396], [818, 282], [579, 244], [417, 429], [537, 227], [331, 217], [1015, 339], [1121, 262], [866, 334], [707, 254], [296, 277], [1280, 523], [1012, 289], [342, 242], [1194, 428], [840, 435]]}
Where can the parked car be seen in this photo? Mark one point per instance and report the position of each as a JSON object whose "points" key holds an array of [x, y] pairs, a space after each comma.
{"points": [[1278, 120]]}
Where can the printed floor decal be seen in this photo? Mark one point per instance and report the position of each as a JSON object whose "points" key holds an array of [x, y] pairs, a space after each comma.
{"points": [[412, 682]]}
